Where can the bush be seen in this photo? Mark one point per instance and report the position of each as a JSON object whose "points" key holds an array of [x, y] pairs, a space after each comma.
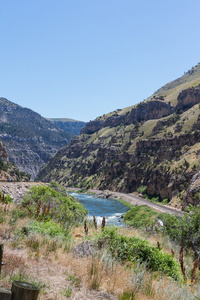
{"points": [[134, 249], [45, 203], [184, 230], [6, 199], [47, 228], [139, 216], [53, 184], [142, 189]]}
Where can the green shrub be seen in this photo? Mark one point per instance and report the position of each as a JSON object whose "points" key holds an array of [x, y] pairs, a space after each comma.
{"points": [[134, 249], [184, 230], [142, 189], [165, 201], [139, 216], [47, 228], [45, 203], [53, 184], [6, 199]]}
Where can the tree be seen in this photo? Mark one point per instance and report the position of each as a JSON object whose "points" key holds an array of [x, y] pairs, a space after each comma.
{"points": [[186, 229]]}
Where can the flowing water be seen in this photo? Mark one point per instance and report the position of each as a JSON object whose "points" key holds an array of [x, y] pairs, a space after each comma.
{"points": [[111, 209]]}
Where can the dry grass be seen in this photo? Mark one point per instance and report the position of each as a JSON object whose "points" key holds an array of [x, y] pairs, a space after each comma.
{"points": [[61, 275]]}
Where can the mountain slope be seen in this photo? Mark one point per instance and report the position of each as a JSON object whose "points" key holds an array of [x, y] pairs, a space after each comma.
{"points": [[29, 138], [155, 144], [68, 125], [7, 170]]}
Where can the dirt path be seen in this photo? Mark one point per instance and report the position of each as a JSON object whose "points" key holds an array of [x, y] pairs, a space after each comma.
{"points": [[135, 200]]}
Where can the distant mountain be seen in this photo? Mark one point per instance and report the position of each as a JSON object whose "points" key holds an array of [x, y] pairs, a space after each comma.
{"points": [[69, 125], [29, 138], [154, 145]]}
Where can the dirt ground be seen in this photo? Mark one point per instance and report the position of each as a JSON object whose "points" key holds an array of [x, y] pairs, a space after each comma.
{"points": [[52, 273]]}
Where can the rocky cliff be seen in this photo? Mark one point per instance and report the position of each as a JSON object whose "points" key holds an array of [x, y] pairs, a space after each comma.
{"points": [[7, 170], [188, 98], [29, 138], [153, 144], [142, 112]]}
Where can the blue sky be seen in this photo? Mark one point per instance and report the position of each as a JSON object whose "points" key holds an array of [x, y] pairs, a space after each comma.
{"points": [[82, 58]]}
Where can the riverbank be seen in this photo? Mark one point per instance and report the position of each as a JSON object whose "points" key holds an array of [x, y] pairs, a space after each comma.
{"points": [[17, 190], [129, 198]]}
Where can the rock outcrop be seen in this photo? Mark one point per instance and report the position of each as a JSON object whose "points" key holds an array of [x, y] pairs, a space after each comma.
{"points": [[188, 98], [192, 195], [16, 190], [149, 110], [142, 112]]}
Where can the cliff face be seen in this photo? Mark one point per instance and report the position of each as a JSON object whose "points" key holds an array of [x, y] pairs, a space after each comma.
{"points": [[188, 98], [29, 138], [7, 170], [142, 112], [155, 144], [3, 153]]}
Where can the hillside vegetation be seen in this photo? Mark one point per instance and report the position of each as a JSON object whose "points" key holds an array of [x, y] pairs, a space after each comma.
{"points": [[47, 243], [154, 144]]}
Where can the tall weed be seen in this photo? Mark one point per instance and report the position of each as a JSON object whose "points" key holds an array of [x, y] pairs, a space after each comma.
{"points": [[95, 273]]}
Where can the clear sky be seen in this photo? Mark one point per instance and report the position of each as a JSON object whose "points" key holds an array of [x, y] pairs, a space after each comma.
{"points": [[82, 58]]}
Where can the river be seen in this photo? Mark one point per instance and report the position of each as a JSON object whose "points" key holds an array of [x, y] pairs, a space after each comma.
{"points": [[111, 209]]}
